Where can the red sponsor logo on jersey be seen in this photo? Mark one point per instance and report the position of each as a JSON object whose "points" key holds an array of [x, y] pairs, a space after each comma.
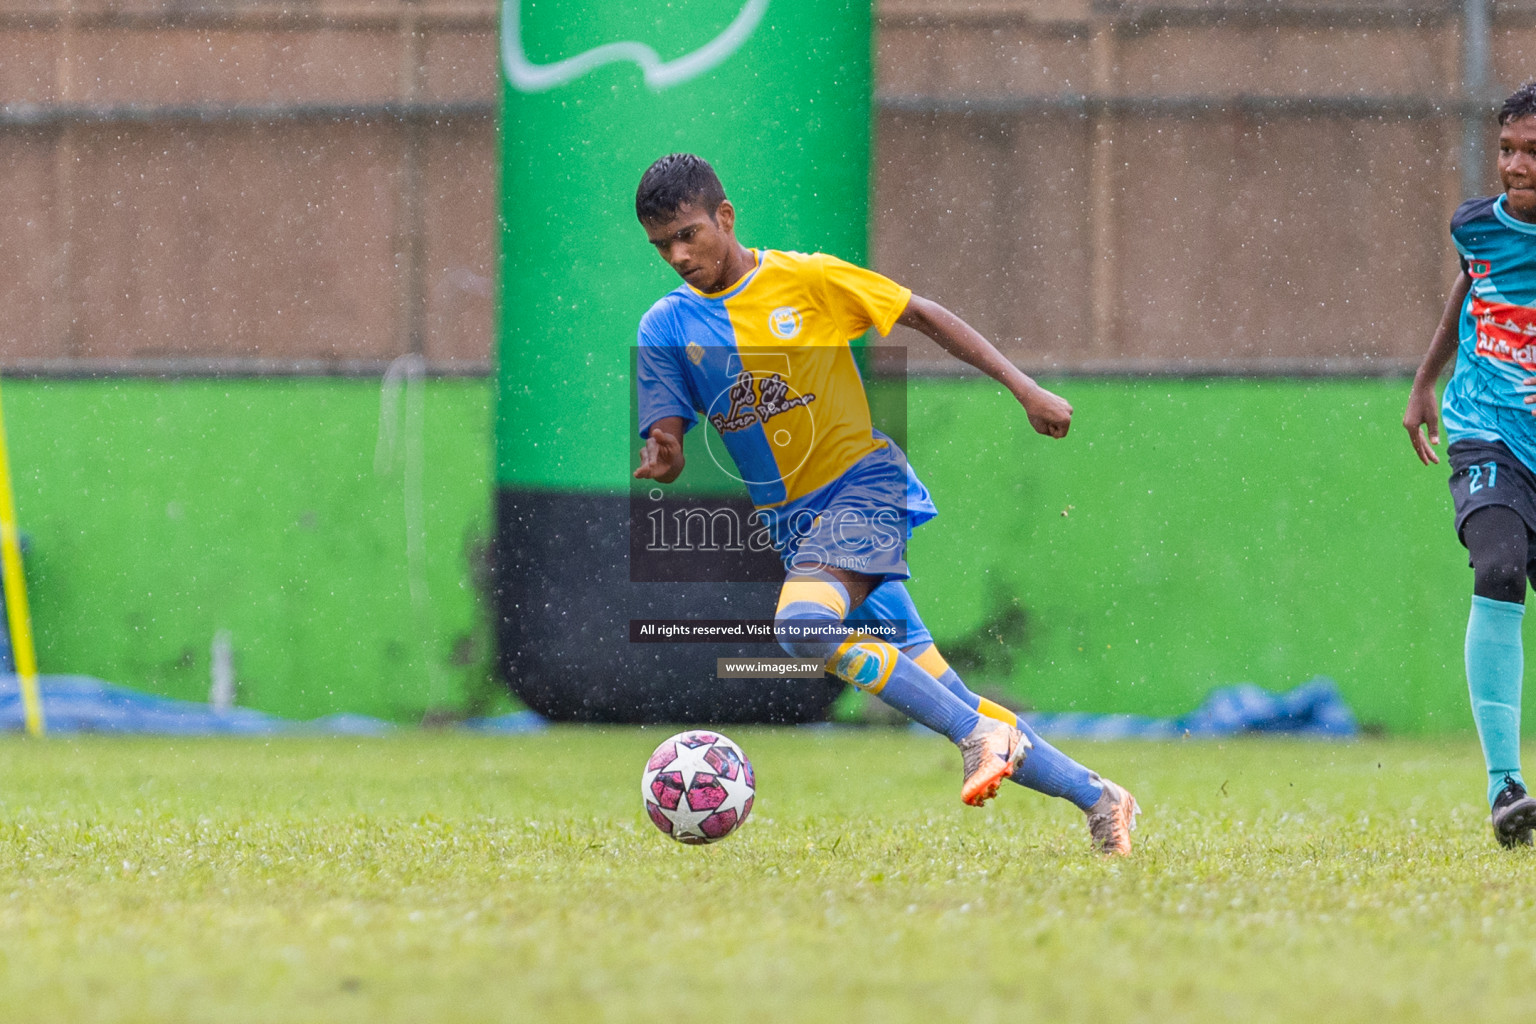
{"points": [[1505, 332]]}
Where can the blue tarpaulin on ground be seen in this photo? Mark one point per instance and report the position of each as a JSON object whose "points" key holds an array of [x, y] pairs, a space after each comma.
{"points": [[81, 704], [1315, 708], [76, 704]]}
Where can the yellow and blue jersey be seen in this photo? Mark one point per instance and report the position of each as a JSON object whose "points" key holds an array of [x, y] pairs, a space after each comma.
{"points": [[1485, 399], [767, 363]]}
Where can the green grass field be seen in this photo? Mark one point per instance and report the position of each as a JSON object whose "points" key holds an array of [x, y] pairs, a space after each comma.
{"points": [[445, 878]]}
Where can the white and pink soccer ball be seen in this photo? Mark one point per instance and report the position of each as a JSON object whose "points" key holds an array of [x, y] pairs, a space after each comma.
{"points": [[698, 787]]}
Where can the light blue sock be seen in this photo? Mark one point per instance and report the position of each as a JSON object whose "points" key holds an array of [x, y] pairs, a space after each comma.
{"points": [[1495, 667], [1044, 769]]}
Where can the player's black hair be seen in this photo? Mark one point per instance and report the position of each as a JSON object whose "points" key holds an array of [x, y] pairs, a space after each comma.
{"points": [[1521, 103], [676, 179]]}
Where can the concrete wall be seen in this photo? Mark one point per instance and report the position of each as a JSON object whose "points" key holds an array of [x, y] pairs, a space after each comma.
{"points": [[1189, 185], [285, 186], [1186, 185]]}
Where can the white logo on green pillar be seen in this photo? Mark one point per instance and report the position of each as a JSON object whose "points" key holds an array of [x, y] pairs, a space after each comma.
{"points": [[527, 76]]}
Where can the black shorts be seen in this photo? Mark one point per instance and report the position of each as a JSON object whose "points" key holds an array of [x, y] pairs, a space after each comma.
{"points": [[1485, 473]]}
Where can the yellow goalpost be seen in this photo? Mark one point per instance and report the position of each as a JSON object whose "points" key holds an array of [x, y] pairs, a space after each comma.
{"points": [[20, 619]]}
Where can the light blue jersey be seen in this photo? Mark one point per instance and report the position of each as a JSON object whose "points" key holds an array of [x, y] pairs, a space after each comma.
{"points": [[1485, 400]]}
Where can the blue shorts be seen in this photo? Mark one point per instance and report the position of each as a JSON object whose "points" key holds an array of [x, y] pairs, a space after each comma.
{"points": [[859, 522]]}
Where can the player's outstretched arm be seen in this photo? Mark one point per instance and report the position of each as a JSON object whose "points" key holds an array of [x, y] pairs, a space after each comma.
{"points": [[662, 457], [1422, 415], [1048, 413]]}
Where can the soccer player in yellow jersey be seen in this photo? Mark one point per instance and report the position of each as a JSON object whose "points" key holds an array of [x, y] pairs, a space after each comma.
{"points": [[756, 341]]}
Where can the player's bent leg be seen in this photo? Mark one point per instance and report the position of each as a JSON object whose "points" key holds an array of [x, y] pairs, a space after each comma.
{"points": [[1496, 540], [887, 609], [1110, 810], [1043, 768], [990, 751], [1046, 769], [809, 623], [891, 605]]}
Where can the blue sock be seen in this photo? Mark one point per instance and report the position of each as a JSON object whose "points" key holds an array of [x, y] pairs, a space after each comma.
{"points": [[1044, 769], [1495, 666], [917, 695], [809, 624]]}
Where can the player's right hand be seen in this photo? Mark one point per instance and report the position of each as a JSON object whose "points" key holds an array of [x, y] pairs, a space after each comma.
{"points": [[1421, 413], [661, 458]]}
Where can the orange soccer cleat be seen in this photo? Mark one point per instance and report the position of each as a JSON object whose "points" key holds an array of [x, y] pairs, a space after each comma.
{"points": [[988, 756]]}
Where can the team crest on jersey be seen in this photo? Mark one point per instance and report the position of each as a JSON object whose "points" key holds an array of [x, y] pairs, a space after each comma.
{"points": [[784, 322], [754, 401], [1478, 269], [695, 352]]}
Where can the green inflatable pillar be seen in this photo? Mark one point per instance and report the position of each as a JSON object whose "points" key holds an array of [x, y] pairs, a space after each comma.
{"points": [[776, 95]]}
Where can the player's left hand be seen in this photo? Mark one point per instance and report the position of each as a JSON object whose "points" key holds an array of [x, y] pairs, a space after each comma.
{"points": [[1530, 399], [1049, 414]]}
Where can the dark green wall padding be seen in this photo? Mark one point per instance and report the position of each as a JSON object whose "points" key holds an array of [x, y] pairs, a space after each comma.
{"points": [[1217, 531]]}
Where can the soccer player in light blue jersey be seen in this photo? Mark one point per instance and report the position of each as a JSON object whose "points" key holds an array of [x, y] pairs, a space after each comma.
{"points": [[1489, 328], [756, 342]]}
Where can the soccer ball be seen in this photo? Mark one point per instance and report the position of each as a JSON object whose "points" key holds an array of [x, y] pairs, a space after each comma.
{"points": [[698, 787]]}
